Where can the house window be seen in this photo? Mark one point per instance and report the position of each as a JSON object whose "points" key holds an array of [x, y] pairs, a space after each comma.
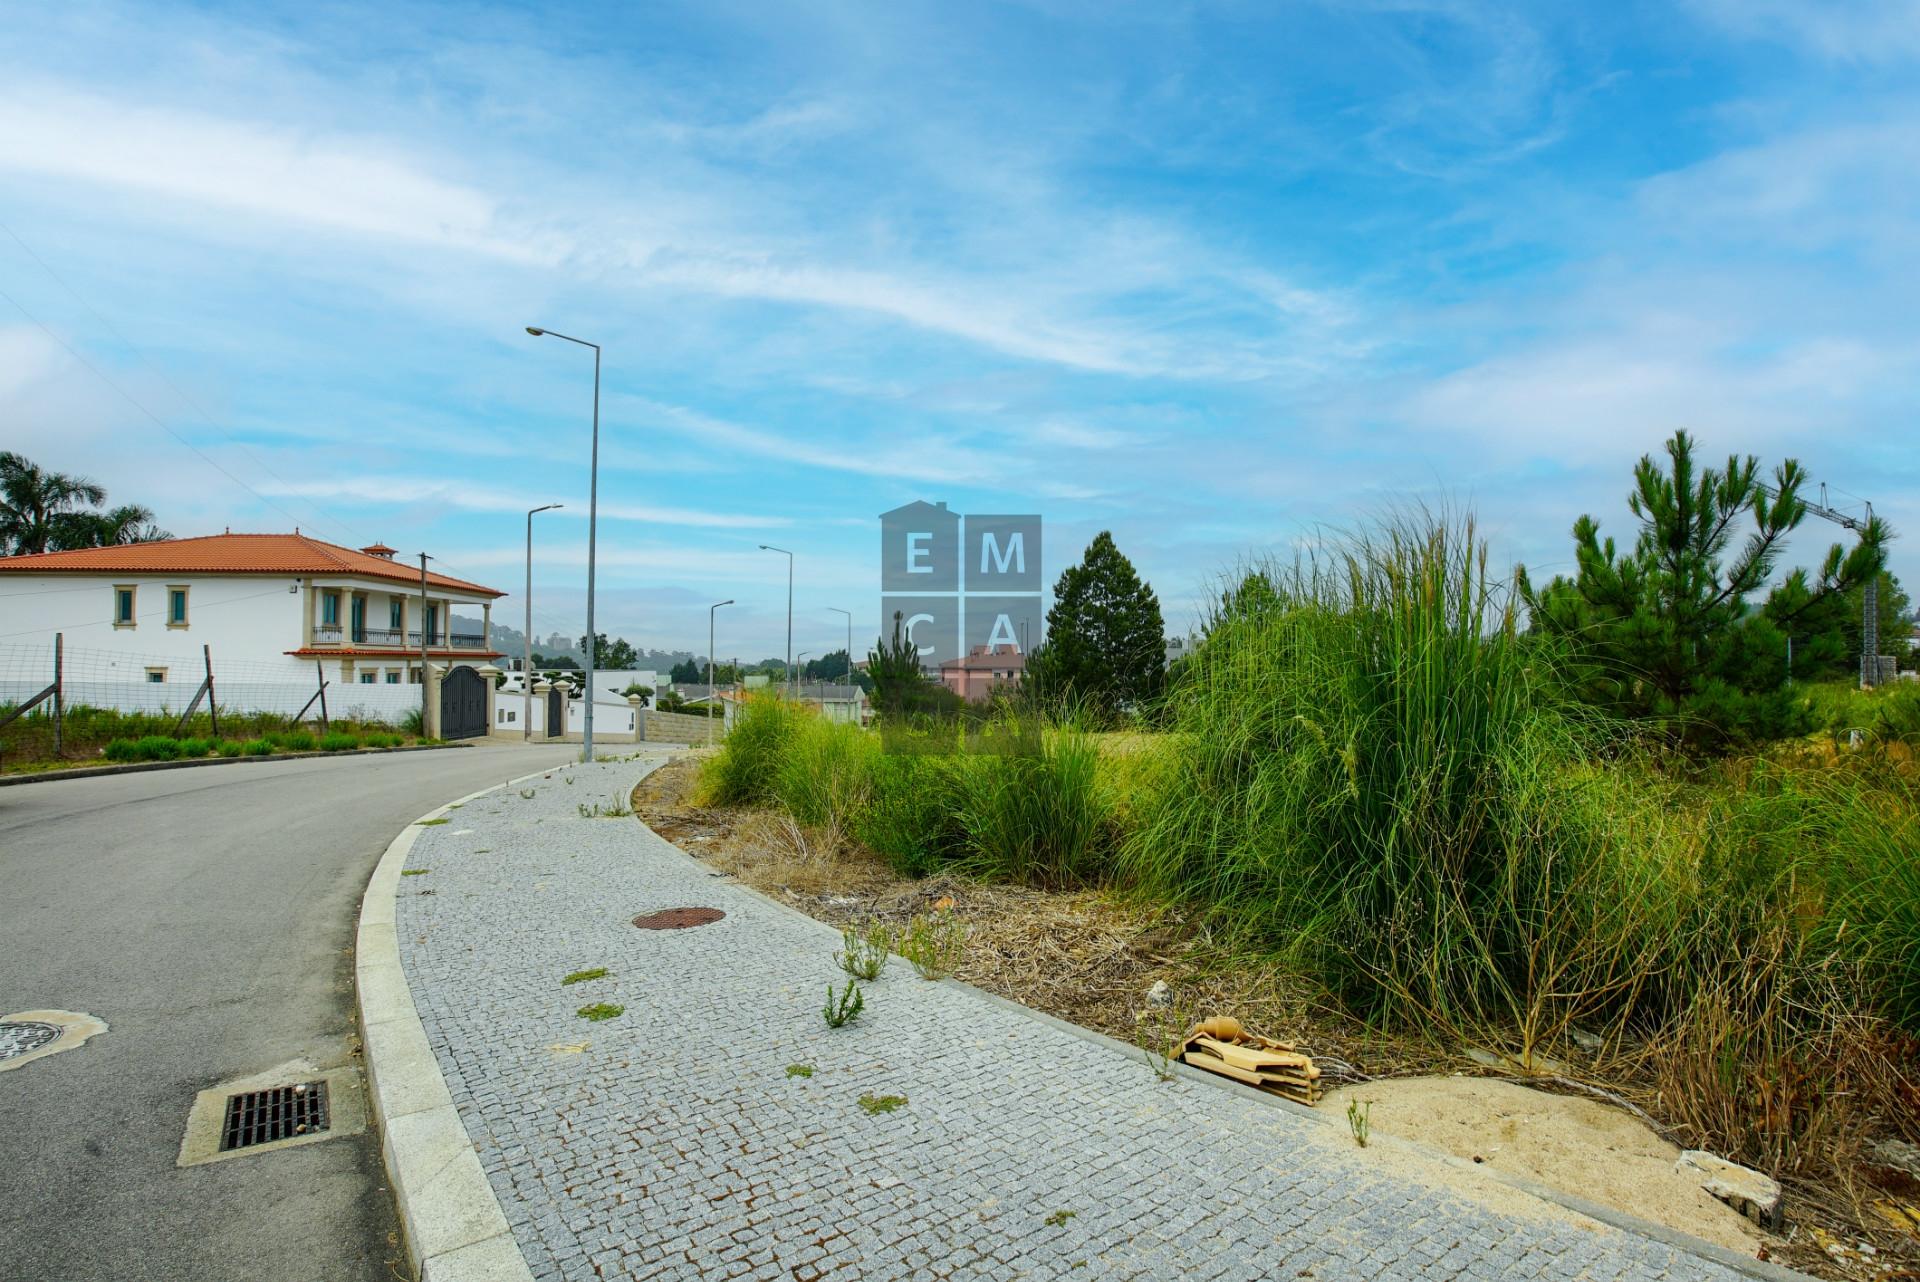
{"points": [[330, 609], [368, 678], [396, 613], [157, 676], [176, 607], [433, 624], [123, 606], [393, 678]]}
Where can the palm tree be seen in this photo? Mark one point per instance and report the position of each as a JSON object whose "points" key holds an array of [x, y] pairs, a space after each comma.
{"points": [[34, 503], [128, 523]]}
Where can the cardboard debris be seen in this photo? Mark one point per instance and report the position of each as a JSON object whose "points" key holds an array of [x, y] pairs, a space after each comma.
{"points": [[1221, 1046]]}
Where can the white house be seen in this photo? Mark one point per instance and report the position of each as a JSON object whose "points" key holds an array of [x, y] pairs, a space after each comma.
{"points": [[271, 606]]}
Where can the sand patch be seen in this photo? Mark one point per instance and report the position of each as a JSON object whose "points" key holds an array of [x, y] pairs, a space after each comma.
{"points": [[1578, 1146]]}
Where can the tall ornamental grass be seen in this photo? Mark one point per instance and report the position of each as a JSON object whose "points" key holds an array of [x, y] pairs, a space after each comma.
{"points": [[1372, 772]]}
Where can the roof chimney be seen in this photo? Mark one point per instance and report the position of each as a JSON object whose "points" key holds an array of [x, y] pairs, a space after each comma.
{"points": [[380, 550]]}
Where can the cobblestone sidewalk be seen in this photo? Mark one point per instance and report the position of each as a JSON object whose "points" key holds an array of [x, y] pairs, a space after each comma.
{"points": [[671, 1142]]}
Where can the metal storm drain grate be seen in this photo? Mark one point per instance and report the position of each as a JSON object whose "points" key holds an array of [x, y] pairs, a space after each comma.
{"points": [[677, 918], [280, 1113], [17, 1037]]}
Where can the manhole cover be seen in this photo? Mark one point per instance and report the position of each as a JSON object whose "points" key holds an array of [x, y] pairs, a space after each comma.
{"points": [[278, 1113], [17, 1037], [677, 918]]}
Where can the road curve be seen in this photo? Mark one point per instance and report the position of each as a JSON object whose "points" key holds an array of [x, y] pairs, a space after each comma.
{"points": [[208, 917]]}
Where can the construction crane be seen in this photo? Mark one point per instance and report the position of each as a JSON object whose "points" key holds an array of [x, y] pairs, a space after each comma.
{"points": [[1870, 591]]}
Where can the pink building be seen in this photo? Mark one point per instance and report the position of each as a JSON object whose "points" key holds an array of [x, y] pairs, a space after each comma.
{"points": [[983, 671]]}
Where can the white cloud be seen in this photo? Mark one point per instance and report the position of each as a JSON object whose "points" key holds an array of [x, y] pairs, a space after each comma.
{"points": [[470, 496], [362, 186], [1841, 30]]}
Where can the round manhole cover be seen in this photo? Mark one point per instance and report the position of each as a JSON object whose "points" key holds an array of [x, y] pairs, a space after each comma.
{"points": [[677, 918], [17, 1037]]}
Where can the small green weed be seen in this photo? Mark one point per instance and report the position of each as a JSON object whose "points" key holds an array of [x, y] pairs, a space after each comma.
{"points": [[878, 1104], [1161, 1034], [865, 950], [256, 748], [429, 823], [415, 872], [934, 942], [526, 794], [799, 1070], [600, 1011], [1359, 1119], [1059, 1219], [846, 1007], [582, 976]]}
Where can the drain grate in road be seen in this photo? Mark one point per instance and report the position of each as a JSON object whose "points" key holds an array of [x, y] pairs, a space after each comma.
{"points": [[677, 918], [278, 1113], [17, 1037]]}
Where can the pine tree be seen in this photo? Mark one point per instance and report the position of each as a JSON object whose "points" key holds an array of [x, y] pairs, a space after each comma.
{"points": [[1665, 630], [1105, 649]]}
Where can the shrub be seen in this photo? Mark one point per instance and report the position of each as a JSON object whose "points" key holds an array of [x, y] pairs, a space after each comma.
{"points": [[746, 768], [256, 748], [339, 742], [1029, 806], [293, 741], [909, 819], [195, 747], [824, 773], [228, 747], [121, 750], [156, 747]]}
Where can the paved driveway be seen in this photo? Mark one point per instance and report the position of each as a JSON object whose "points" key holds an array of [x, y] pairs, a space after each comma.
{"points": [[207, 916]]}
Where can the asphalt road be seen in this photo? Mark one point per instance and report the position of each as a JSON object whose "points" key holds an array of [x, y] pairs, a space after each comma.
{"points": [[208, 917]]}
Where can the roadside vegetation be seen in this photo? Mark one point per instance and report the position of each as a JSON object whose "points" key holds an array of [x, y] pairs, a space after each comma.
{"points": [[91, 736], [1379, 775]]}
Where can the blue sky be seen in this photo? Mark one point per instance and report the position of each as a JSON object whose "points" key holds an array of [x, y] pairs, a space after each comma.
{"points": [[1212, 276]]}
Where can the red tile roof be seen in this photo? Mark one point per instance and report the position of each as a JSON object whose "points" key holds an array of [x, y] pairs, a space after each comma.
{"points": [[233, 554]]}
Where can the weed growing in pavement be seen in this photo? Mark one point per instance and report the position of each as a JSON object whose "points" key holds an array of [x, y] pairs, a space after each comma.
{"points": [[799, 1070], [1059, 1219], [844, 1008], [934, 943], [1161, 1034], [599, 1011], [429, 823], [582, 976], [527, 794], [597, 811], [1359, 1119], [415, 872], [878, 1104], [865, 950]]}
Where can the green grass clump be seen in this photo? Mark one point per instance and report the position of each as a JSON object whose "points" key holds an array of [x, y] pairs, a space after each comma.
{"points": [[415, 872], [746, 769], [256, 748], [799, 1070], [338, 741], [228, 748], [582, 976], [874, 1105], [195, 747], [430, 823], [293, 741], [599, 1011], [1030, 808]]}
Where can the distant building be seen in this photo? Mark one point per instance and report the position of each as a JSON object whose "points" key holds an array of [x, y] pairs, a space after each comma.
{"points": [[982, 670]]}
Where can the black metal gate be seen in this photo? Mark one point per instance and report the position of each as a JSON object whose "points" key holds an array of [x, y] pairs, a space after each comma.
{"points": [[463, 704], [556, 714]]}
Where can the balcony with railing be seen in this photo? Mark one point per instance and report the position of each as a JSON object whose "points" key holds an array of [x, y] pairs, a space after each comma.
{"points": [[395, 638]]}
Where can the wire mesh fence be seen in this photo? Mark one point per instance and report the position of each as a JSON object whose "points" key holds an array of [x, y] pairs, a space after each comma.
{"points": [[83, 698]]}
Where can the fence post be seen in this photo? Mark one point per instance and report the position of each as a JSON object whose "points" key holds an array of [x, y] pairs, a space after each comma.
{"points": [[59, 694], [213, 704], [321, 674]]}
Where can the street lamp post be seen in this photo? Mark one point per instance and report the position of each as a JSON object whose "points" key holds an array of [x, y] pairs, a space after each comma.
{"points": [[526, 664], [593, 522], [768, 547], [849, 613], [713, 695]]}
